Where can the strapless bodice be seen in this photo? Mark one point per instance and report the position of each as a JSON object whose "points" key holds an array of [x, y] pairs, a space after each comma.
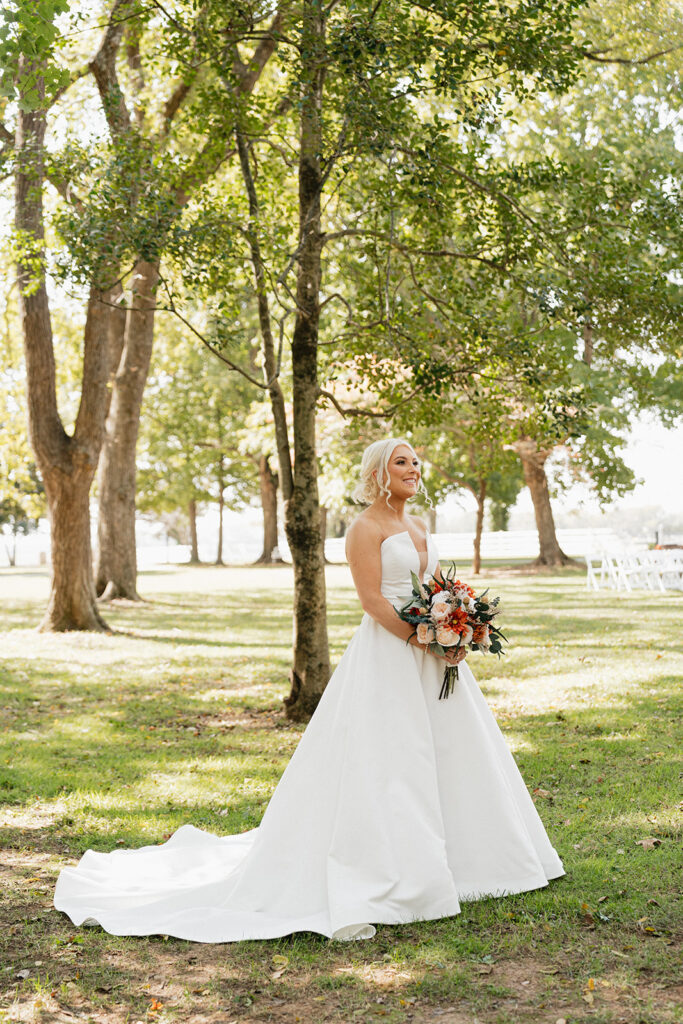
{"points": [[400, 557]]}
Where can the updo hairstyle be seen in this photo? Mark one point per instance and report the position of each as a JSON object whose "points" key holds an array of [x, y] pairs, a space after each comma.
{"points": [[376, 457]]}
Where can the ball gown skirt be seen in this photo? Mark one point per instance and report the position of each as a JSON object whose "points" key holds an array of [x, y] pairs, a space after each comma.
{"points": [[395, 807]]}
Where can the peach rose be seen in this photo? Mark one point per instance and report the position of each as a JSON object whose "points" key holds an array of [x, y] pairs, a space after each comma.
{"points": [[441, 607], [446, 636], [425, 634]]}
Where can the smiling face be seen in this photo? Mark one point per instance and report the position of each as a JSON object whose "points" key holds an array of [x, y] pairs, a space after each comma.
{"points": [[404, 472]]}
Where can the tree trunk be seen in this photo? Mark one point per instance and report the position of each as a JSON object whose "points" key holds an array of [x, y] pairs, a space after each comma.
{"points": [[268, 481], [533, 464], [481, 500], [431, 518], [311, 668], [67, 463], [116, 569], [72, 603], [221, 506], [194, 546]]}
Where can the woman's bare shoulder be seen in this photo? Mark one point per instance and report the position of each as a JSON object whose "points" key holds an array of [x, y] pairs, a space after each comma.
{"points": [[420, 522], [364, 529]]}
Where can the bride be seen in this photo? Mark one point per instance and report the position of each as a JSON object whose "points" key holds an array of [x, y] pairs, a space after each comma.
{"points": [[395, 806]]}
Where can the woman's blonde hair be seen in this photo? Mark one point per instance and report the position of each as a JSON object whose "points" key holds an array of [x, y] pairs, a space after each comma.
{"points": [[376, 459]]}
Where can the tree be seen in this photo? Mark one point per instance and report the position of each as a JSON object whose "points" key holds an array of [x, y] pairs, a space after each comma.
{"points": [[354, 89], [22, 495], [162, 148], [191, 423], [21, 505], [66, 461], [612, 207], [464, 456]]}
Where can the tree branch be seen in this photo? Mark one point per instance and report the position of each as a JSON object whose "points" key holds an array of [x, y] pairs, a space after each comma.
{"points": [[205, 163], [458, 481], [597, 56], [370, 413], [251, 72], [103, 67], [384, 237], [171, 308]]}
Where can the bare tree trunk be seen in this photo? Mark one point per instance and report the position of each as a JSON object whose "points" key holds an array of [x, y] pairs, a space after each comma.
{"points": [[221, 506], [72, 603], [533, 464], [268, 481], [311, 668], [194, 545], [116, 569], [67, 463], [431, 518], [481, 500]]}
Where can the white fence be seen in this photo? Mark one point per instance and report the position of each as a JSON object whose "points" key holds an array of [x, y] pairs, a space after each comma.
{"points": [[506, 545]]}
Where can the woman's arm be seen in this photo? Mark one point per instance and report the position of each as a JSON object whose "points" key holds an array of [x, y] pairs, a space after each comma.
{"points": [[363, 542]]}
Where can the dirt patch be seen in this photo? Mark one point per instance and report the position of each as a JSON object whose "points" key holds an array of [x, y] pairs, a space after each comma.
{"points": [[156, 982]]}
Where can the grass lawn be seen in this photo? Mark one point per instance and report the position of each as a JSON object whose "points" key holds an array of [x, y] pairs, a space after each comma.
{"points": [[120, 739]]}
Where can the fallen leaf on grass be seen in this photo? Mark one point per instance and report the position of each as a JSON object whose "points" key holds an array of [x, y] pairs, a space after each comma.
{"points": [[550, 970], [280, 963], [648, 843], [647, 928], [22, 974], [542, 792]]}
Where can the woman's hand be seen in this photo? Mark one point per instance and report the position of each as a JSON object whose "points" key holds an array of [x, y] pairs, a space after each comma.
{"points": [[454, 655]]}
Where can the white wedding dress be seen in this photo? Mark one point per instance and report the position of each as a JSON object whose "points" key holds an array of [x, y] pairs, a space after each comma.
{"points": [[395, 806]]}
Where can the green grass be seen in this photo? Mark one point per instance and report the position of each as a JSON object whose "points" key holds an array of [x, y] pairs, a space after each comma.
{"points": [[176, 718]]}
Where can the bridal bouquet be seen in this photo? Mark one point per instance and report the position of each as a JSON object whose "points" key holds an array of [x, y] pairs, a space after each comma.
{"points": [[446, 613]]}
